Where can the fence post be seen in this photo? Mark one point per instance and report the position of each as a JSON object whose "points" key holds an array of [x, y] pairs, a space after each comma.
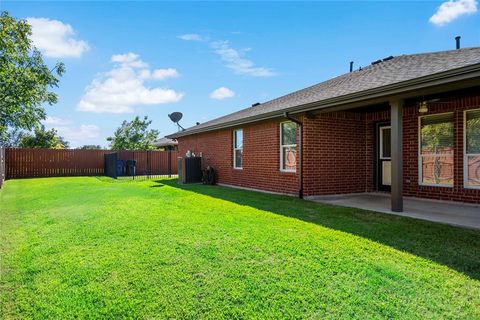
{"points": [[148, 165], [169, 163], [2, 166]]}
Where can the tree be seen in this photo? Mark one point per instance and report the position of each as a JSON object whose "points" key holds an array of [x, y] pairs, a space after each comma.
{"points": [[11, 138], [437, 138], [134, 135], [25, 80], [43, 139], [90, 147], [473, 135]]}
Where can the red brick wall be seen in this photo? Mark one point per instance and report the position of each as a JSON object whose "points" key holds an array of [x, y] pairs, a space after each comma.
{"points": [[261, 157], [339, 153], [457, 105], [335, 153]]}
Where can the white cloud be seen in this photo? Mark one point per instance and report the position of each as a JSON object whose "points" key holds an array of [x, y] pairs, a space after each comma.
{"points": [[161, 74], [51, 121], [123, 87], [191, 37], [222, 93], [130, 60], [85, 134], [451, 10], [237, 63], [55, 38], [85, 131]]}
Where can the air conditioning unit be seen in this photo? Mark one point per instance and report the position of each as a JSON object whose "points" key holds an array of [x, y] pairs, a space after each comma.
{"points": [[190, 170]]}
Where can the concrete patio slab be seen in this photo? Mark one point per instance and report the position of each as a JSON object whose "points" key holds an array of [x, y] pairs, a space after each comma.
{"points": [[453, 213]]}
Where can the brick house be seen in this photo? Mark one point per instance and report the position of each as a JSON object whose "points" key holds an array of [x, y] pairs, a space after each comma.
{"points": [[409, 125]]}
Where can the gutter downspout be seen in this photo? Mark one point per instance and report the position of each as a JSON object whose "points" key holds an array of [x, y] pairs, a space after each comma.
{"points": [[300, 133]]}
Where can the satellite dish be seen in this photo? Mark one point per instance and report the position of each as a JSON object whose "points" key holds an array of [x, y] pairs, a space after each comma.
{"points": [[176, 117]]}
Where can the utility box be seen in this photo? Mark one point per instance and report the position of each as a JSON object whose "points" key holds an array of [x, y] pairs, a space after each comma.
{"points": [[111, 165], [190, 170]]}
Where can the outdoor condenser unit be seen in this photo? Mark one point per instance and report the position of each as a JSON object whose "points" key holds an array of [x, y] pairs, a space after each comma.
{"points": [[190, 170]]}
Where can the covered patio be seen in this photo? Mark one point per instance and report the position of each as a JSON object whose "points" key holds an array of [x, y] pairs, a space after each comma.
{"points": [[447, 212]]}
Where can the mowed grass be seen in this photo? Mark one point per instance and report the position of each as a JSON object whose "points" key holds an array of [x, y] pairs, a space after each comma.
{"points": [[99, 248]]}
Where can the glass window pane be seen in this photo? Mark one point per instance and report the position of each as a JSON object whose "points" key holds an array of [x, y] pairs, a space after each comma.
{"points": [[437, 134], [386, 140], [437, 169], [473, 171], [288, 133], [289, 158], [473, 131], [238, 158], [239, 138]]}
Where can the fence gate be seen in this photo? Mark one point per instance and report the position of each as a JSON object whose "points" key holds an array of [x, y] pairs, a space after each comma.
{"points": [[141, 164], [111, 165]]}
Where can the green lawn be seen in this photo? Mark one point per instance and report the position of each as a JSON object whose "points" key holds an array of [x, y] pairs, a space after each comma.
{"points": [[99, 248]]}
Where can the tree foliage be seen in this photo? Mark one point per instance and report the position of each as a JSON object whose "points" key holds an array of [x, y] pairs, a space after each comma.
{"points": [[25, 80], [43, 138], [473, 135], [90, 147], [436, 137], [134, 135], [11, 138]]}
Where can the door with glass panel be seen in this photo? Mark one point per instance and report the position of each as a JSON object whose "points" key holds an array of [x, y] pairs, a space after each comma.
{"points": [[384, 160]]}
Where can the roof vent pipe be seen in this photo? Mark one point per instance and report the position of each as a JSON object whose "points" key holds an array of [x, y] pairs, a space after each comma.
{"points": [[351, 66], [457, 40]]}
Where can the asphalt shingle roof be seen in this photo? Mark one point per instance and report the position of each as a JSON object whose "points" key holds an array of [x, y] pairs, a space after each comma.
{"points": [[396, 70], [163, 142]]}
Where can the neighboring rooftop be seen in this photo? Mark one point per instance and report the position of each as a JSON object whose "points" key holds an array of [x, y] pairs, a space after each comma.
{"points": [[388, 72], [165, 142]]}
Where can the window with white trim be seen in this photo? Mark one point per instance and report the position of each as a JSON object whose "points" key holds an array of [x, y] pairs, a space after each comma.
{"points": [[288, 146], [238, 149], [436, 150], [472, 149]]}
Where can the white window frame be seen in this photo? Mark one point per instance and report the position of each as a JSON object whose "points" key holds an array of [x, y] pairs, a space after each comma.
{"points": [[282, 146], [235, 149], [465, 155], [420, 157]]}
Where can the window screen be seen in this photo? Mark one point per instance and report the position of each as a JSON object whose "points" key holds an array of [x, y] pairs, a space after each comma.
{"points": [[436, 149], [472, 149]]}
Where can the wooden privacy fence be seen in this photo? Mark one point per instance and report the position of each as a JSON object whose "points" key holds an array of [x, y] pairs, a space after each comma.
{"points": [[2, 166], [30, 163], [152, 162]]}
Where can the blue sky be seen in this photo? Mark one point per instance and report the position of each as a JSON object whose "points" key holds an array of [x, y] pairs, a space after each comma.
{"points": [[207, 59]]}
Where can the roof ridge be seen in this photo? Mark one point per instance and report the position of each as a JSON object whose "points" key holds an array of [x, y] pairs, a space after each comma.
{"points": [[400, 69], [434, 52]]}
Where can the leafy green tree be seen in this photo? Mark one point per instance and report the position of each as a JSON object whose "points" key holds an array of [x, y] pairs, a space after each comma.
{"points": [[90, 147], [473, 135], [25, 80], [134, 135], [11, 138], [43, 138], [437, 138]]}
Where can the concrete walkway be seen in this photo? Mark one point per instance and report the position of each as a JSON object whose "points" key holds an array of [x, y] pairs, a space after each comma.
{"points": [[454, 213]]}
